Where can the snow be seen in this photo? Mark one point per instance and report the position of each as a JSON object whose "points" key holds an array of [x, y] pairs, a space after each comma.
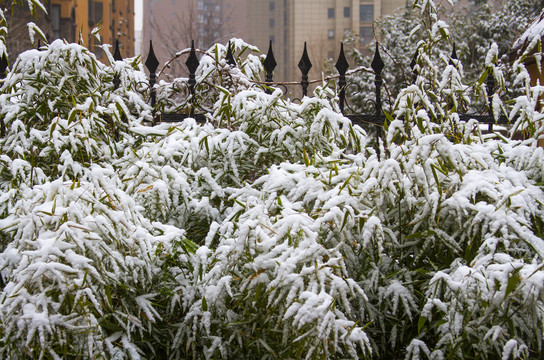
{"points": [[276, 225], [533, 33]]}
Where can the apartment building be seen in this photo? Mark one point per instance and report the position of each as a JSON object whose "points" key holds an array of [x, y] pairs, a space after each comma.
{"points": [[115, 18], [173, 24], [288, 24], [66, 19]]}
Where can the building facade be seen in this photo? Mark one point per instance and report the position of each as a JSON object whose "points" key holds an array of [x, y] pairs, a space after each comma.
{"points": [[66, 19], [115, 18], [288, 24], [173, 24]]}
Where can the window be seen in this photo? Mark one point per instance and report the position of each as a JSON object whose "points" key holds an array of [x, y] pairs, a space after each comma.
{"points": [[272, 6], [347, 12], [330, 13], [200, 18], [272, 38], [330, 34], [366, 34], [272, 23], [98, 12], [200, 5], [55, 21], [366, 13]]}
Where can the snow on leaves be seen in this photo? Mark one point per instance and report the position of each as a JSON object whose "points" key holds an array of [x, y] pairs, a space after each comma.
{"points": [[275, 229]]}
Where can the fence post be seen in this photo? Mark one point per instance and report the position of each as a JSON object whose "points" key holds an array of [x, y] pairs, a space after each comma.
{"points": [[453, 56], [305, 65], [342, 66], [117, 57], [3, 74], [413, 64], [3, 66], [377, 65], [152, 64], [269, 66], [192, 64], [490, 83]]}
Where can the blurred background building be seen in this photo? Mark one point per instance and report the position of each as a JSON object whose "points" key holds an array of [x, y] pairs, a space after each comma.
{"points": [[172, 24], [322, 24], [66, 19]]}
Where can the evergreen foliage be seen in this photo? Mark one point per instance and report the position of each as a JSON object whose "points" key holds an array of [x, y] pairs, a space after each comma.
{"points": [[275, 229]]}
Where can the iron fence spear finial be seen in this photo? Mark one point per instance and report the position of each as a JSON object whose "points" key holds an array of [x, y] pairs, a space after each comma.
{"points": [[117, 57], [378, 65], [117, 53], [342, 66], [152, 64], [305, 65], [269, 66], [192, 64], [230, 57]]}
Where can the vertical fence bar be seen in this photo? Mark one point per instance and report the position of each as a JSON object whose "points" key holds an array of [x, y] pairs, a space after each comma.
{"points": [[453, 56], [3, 66], [490, 83], [413, 64], [269, 66], [305, 65], [192, 65], [3, 74], [377, 65], [117, 57], [342, 66], [152, 64]]}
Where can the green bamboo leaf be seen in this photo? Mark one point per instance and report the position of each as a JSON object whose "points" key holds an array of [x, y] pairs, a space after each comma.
{"points": [[513, 281], [420, 323]]}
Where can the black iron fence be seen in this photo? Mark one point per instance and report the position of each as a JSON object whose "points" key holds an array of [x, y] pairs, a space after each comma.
{"points": [[375, 117]]}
